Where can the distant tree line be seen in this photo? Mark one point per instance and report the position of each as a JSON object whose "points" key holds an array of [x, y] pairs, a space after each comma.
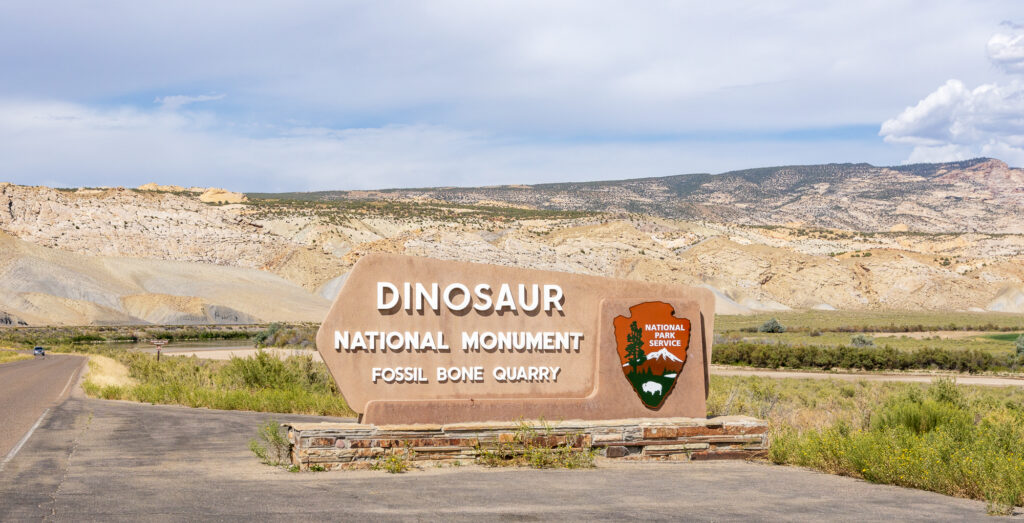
{"points": [[774, 356]]}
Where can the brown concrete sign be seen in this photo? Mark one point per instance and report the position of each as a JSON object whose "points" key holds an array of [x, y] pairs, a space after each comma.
{"points": [[418, 340]]}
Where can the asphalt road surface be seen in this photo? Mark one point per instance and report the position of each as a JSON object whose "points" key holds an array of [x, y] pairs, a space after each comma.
{"points": [[27, 389], [95, 460]]}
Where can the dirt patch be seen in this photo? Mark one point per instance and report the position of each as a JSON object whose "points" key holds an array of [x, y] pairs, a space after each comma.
{"points": [[943, 335]]}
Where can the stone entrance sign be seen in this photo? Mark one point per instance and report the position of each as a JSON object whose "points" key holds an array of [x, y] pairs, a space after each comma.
{"points": [[418, 340]]}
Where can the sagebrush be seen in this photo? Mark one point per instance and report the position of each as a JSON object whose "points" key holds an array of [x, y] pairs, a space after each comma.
{"points": [[271, 445], [956, 440]]}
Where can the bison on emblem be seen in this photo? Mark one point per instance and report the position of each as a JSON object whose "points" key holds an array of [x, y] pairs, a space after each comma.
{"points": [[652, 346]]}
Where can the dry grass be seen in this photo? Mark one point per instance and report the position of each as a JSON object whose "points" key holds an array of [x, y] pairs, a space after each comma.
{"points": [[262, 383], [108, 372], [9, 355]]}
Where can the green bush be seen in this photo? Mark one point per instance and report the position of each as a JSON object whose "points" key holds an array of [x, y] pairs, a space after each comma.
{"points": [[279, 335], [934, 441], [262, 383], [772, 326], [1020, 345], [868, 358], [920, 415], [862, 340], [261, 337], [271, 445]]}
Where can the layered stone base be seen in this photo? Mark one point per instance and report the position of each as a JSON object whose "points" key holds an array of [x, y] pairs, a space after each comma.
{"points": [[355, 446]]}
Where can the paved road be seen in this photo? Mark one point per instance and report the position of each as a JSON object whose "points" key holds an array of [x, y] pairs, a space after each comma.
{"points": [[94, 460], [962, 379], [27, 389]]}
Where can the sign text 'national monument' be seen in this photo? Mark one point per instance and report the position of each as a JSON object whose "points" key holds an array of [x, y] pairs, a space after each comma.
{"points": [[418, 340]]}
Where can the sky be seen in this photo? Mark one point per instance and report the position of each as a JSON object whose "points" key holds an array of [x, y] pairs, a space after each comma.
{"points": [[304, 95]]}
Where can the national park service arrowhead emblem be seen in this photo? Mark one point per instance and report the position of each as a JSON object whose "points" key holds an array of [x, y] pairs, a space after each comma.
{"points": [[652, 346]]}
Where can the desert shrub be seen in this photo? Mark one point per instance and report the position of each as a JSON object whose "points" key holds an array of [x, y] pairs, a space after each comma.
{"points": [[772, 326], [261, 383], [265, 371], [868, 358], [271, 445], [1020, 345], [862, 340], [261, 337], [279, 335], [920, 415], [935, 440]]}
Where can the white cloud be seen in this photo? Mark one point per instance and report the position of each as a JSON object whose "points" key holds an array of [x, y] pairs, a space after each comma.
{"points": [[342, 93], [1006, 50], [177, 101], [78, 145], [522, 67], [955, 122]]}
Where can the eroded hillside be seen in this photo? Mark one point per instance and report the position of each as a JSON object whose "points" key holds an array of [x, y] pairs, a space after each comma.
{"points": [[981, 195], [948, 238]]}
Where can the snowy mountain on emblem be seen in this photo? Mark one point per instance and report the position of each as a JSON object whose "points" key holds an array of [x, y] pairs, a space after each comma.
{"points": [[663, 354]]}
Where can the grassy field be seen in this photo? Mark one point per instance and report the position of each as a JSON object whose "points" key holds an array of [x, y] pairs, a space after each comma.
{"points": [[9, 355], [965, 342], [1012, 336], [956, 440], [985, 342], [262, 383], [884, 321]]}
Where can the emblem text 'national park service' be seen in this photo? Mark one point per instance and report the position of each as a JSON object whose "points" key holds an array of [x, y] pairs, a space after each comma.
{"points": [[652, 346], [417, 340]]}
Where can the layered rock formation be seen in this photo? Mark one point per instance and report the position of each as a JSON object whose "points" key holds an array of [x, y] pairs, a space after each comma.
{"points": [[42, 286], [932, 237]]}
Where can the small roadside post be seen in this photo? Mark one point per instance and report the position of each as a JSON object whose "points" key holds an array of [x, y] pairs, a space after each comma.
{"points": [[159, 345]]}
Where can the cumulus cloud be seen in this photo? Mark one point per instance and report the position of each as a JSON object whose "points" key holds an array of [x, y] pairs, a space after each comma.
{"points": [[1006, 50], [956, 122]]}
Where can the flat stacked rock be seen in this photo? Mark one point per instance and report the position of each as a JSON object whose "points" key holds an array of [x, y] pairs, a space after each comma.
{"points": [[359, 446]]}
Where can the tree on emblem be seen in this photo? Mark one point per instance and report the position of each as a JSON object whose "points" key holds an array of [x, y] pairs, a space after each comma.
{"points": [[635, 354]]}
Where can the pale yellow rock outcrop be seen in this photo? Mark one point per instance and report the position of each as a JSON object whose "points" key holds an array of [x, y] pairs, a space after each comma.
{"points": [[214, 195], [161, 188]]}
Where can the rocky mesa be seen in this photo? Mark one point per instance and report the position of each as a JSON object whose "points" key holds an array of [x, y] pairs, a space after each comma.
{"points": [[851, 236]]}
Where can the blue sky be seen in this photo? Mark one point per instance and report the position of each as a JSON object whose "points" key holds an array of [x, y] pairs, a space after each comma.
{"points": [[275, 96]]}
